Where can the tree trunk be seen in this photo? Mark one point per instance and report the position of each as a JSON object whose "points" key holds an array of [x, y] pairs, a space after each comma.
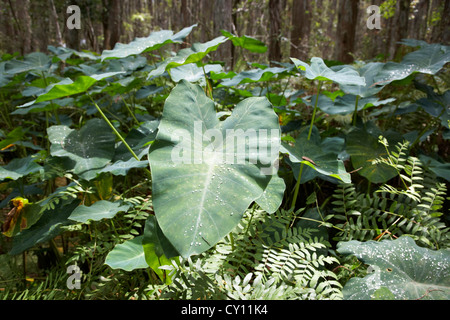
{"points": [[274, 30], [112, 22], [301, 22], [401, 27], [73, 35], [441, 31], [223, 21], [345, 36], [115, 22], [23, 15], [418, 25], [55, 18]]}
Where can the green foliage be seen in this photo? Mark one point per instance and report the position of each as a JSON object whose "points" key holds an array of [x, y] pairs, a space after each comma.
{"points": [[263, 258], [413, 208], [360, 154], [402, 274]]}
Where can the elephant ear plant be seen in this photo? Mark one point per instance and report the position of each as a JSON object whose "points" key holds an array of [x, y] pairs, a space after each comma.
{"points": [[206, 172]]}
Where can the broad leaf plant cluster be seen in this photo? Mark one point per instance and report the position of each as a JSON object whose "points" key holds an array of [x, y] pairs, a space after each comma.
{"points": [[355, 208]]}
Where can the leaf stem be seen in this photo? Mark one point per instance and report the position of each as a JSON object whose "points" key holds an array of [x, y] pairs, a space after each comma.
{"points": [[356, 110], [117, 132], [129, 110], [315, 109], [297, 185], [208, 88]]}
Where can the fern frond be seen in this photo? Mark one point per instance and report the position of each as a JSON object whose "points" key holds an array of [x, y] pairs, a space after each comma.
{"points": [[268, 259]]}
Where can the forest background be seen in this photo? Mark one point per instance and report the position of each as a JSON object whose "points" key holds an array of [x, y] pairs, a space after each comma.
{"points": [[333, 30]]}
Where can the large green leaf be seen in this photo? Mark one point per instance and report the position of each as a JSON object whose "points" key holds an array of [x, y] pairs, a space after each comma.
{"points": [[254, 75], [369, 71], [127, 256], [319, 162], [154, 41], [67, 87], [65, 53], [272, 196], [346, 104], [121, 168], [18, 168], [363, 147], [319, 71], [428, 59], [102, 209], [408, 271], [440, 169], [23, 217], [192, 73], [249, 43], [188, 55], [15, 135], [46, 228], [91, 147], [139, 140], [36, 61], [202, 180], [157, 248]]}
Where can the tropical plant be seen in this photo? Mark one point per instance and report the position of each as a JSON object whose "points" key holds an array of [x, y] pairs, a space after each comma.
{"points": [[125, 164]]}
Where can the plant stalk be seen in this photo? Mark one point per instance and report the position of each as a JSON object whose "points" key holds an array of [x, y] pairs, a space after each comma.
{"points": [[356, 111], [117, 133], [129, 110], [297, 185]]}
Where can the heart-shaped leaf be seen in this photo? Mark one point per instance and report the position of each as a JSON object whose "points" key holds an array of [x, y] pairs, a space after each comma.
{"points": [[254, 75], [249, 43], [428, 59], [102, 209], [35, 61], [440, 169], [346, 104], [317, 161], [188, 55], [139, 140], [127, 256], [121, 168], [154, 41], [272, 196], [192, 73], [67, 87], [363, 147], [22, 216], [91, 147], [409, 272], [203, 180], [158, 250], [46, 228], [369, 71], [18, 168], [319, 71]]}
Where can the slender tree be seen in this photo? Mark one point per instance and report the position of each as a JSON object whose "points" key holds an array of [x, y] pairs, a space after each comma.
{"points": [[24, 24], [400, 28], [274, 30], [59, 40], [442, 29], [223, 21], [301, 22], [345, 37], [418, 25]]}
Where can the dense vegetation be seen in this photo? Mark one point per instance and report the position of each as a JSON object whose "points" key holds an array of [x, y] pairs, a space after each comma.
{"points": [[357, 207]]}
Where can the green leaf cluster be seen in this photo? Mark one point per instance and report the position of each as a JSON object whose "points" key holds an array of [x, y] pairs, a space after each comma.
{"points": [[340, 160]]}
